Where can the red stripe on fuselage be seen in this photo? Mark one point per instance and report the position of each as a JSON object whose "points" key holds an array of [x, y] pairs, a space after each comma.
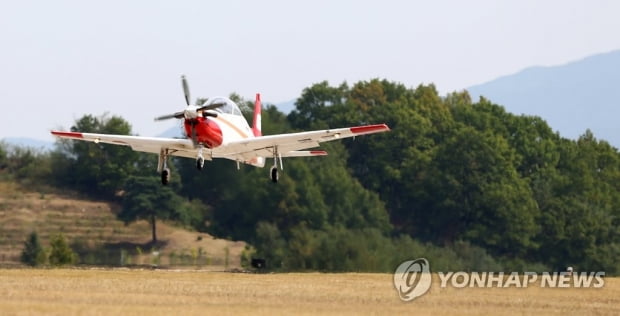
{"points": [[232, 126], [67, 134]]}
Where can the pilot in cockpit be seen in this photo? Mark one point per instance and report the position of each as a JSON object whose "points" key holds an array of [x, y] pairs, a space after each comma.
{"points": [[229, 106]]}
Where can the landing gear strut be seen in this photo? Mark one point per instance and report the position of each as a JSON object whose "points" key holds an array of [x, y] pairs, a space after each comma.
{"points": [[162, 166], [200, 161], [273, 173]]}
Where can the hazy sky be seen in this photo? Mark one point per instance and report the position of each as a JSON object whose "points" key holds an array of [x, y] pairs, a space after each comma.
{"points": [[60, 60]]}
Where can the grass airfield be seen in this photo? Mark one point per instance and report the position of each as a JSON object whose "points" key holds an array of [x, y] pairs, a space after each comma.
{"points": [[166, 292]]}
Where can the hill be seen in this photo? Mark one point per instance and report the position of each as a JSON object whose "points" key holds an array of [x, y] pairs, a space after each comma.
{"points": [[36, 144], [94, 231], [572, 98]]}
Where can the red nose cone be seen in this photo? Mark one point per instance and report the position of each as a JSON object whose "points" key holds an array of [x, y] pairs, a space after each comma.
{"points": [[206, 131]]}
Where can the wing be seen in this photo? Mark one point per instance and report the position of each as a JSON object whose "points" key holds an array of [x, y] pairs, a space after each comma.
{"points": [[246, 150], [178, 147], [289, 145]]}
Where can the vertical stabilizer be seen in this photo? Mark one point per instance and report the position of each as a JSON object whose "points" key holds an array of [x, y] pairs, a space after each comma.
{"points": [[256, 124]]}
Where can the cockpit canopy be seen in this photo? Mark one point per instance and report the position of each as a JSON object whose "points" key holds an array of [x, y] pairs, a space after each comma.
{"points": [[229, 106]]}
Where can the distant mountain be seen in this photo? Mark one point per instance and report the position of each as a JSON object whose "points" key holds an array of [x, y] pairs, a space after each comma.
{"points": [[36, 144], [286, 107], [173, 132], [580, 95]]}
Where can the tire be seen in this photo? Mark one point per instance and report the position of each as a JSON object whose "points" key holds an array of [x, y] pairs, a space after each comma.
{"points": [[274, 174], [165, 176]]}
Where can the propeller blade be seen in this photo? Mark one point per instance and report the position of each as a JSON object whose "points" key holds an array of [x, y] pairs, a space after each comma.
{"points": [[211, 106], [185, 89], [169, 116]]}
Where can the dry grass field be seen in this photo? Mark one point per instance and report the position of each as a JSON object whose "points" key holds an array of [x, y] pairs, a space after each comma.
{"points": [[165, 292]]}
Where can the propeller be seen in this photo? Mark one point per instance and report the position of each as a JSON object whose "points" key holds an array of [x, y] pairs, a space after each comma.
{"points": [[185, 89], [191, 111]]}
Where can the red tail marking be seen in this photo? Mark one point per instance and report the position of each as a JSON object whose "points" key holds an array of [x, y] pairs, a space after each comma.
{"points": [[318, 152], [256, 124]]}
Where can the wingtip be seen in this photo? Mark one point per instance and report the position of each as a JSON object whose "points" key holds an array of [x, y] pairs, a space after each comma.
{"points": [[369, 129], [67, 134]]}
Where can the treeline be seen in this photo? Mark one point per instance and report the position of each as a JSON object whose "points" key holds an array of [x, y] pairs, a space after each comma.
{"points": [[465, 184]]}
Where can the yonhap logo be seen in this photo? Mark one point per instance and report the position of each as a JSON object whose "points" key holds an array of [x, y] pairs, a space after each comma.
{"points": [[412, 279]]}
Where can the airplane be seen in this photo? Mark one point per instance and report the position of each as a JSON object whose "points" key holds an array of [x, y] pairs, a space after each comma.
{"points": [[217, 129]]}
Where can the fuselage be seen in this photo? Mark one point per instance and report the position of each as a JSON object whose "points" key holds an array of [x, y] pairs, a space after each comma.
{"points": [[225, 124]]}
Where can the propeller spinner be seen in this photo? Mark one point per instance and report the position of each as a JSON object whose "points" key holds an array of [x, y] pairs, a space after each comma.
{"points": [[191, 111]]}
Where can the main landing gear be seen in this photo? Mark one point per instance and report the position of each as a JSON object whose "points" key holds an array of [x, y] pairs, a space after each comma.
{"points": [[162, 166], [273, 173]]}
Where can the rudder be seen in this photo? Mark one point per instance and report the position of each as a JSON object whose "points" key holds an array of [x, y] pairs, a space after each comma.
{"points": [[256, 124]]}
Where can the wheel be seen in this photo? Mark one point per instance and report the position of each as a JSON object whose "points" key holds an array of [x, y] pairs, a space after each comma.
{"points": [[165, 176], [274, 174], [200, 162]]}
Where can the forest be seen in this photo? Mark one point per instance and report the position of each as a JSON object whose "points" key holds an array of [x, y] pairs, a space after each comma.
{"points": [[461, 182]]}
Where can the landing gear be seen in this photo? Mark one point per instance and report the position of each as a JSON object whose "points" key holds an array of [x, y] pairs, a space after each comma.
{"points": [[274, 174], [162, 166], [200, 161], [165, 176]]}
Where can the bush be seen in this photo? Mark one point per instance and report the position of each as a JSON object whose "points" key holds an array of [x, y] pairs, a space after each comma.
{"points": [[33, 253], [61, 253]]}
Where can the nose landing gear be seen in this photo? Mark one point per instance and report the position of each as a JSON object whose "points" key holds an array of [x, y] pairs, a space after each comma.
{"points": [[200, 161], [165, 176]]}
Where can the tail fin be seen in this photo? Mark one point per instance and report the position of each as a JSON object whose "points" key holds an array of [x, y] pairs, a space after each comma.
{"points": [[256, 125]]}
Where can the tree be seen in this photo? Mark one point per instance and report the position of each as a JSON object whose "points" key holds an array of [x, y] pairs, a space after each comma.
{"points": [[317, 104], [61, 253], [97, 169], [33, 253], [271, 245], [146, 198], [25, 164], [3, 155]]}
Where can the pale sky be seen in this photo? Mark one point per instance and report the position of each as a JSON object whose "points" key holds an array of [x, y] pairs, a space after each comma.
{"points": [[62, 59]]}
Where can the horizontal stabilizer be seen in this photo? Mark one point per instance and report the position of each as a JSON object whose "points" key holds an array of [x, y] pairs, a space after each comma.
{"points": [[304, 153]]}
